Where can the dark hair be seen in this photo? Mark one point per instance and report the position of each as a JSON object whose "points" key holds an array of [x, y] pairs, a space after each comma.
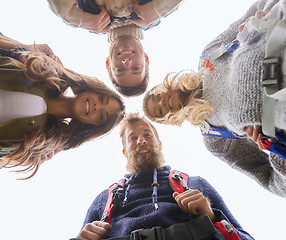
{"points": [[131, 91]]}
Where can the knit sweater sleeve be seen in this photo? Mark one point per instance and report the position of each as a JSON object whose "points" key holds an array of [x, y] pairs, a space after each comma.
{"points": [[96, 209], [165, 7], [218, 205], [67, 10], [245, 156], [231, 32]]}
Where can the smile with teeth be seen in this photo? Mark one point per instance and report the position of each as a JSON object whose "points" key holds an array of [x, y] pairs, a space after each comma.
{"points": [[142, 151], [87, 107], [170, 103], [126, 52]]}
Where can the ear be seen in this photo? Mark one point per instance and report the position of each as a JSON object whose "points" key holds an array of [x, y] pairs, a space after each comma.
{"points": [[107, 63], [160, 145], [146, 58]]}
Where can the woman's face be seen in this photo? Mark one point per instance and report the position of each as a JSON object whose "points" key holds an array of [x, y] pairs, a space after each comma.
{"points": [[160, 104], [94, 108]]}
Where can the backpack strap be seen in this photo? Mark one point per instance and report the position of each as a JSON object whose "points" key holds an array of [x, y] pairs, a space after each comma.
{"points": [[219, 132], [115, 197], [178, 181], [227, 230], [272, 76]]}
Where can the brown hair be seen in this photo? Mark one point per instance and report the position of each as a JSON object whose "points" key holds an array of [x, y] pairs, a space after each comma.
{"points": [[129, 120], [131, 91], [59, 133]]}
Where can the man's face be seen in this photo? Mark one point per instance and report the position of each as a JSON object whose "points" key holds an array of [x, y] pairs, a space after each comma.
{"points": [[127, 61], [142, 148]]}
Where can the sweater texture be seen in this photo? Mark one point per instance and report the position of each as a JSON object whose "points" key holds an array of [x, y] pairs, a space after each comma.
{"points": [[234, 90], [141, 213]]}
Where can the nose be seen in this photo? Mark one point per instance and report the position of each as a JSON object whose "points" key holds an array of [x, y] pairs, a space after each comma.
{"points": [[141, 141], [126, 61]]}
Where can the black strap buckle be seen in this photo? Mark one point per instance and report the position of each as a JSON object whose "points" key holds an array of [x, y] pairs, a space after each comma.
{"points": [[155, 233], [272, 72]]}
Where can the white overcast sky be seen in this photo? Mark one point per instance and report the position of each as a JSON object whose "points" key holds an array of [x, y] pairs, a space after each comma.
{"points": [[53, 204]]}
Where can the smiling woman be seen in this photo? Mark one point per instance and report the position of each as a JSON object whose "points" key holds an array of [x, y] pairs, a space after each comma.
{"points": [[93, 108], [35, 125]]}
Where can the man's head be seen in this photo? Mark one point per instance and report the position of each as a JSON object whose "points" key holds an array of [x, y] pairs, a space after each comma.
{"points": [[141, 144], [128, 66]]}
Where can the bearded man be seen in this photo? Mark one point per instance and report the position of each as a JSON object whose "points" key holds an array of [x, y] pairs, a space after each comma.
{"points": [[148, 202]]}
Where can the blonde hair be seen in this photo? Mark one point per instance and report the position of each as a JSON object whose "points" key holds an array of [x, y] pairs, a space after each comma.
{"points": [[195, 111]]}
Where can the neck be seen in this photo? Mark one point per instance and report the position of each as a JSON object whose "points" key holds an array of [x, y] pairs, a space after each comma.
{"points": [[62, 107], [124, 29]]}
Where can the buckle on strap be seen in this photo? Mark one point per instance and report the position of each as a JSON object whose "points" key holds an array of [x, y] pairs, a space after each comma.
{"points": [[155, 233], [272, 72]]}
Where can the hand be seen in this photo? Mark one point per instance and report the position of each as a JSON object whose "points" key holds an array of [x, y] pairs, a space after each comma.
{"points": [[96, 23], [45, 49], [95, 231], [255, 134], [146, 13], [259, 15], [8, 43], [194, 202]]}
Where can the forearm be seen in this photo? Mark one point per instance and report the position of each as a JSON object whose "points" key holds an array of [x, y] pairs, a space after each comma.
{"points": [[8, 43], [165, 7], [231, 32], [245, 156], [67, 10]]}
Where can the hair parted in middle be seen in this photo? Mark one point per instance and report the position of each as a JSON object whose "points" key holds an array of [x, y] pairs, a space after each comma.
{"points": [[131, 118], [195, 111], [59, 133], [131, 91]]}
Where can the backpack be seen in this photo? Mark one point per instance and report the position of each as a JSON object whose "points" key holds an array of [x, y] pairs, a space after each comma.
{"points": [[179, 183], [273, 140]]}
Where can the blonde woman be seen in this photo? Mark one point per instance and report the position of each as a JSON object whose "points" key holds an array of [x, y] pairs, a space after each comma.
{"points": [[229, 97], [37, 118]]}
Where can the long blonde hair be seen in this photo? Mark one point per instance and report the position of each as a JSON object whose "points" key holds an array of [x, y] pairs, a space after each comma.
{"points": [[195, 111], [59, 133]]}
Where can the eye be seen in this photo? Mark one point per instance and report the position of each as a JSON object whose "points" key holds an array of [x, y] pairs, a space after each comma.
{"points": [[147, 135], [132, 139], [136, 68], [118, 70], [101, 116], [159, 97]]}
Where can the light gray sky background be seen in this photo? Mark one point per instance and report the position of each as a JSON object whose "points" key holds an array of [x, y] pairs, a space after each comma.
{"points": [[53, 204]]}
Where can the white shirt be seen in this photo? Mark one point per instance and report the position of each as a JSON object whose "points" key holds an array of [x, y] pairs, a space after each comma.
{"points": [[19, 105]]}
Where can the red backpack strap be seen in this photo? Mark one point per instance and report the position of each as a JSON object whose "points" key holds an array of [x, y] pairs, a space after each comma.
{"points": [[227, 230], [106, 216], [178, 181]]}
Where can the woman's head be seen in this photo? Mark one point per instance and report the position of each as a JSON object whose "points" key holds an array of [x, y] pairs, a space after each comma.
{"points": [[60, 133], [93, 108], [177, 99], [97, 109], [91, 121]]}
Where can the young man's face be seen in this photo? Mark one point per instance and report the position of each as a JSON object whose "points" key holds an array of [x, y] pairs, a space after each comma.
{"points": [[127, 61], [142, 147]]}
